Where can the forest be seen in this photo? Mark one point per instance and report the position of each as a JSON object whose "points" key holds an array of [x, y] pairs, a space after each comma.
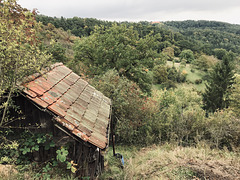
{"points": [[174, 86]]}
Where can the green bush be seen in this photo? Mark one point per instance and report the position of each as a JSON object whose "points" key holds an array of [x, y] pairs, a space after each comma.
{"points": [[198, 81], [223, 129], [187, 55], [160, 74], [173, 115], [169, 84], [180, 116], [127, 104]]}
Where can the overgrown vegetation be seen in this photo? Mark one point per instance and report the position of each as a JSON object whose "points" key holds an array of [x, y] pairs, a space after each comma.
{"points": [[28, 147], [156, 80], [173, 162], [20, 54]]}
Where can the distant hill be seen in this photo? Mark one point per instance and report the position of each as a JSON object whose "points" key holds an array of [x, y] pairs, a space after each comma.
{"points": [[202, 24], [198, 36], [212, 33]]}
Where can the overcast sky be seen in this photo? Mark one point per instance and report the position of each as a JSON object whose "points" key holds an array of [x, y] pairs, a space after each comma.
{"points": [[140, 10]]}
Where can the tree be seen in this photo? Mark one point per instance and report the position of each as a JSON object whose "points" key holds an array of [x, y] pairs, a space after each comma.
{"points": [[127, 104], [160, 74], [205, 62], [235, 96], [120, 48], [19, 50], [220, 53], [57, 51], [169, 51], [187, 55], [181, 116], [219, 85]]}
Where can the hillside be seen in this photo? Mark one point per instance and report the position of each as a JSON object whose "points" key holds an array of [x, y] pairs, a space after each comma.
{"points": [[173, 162], [199, 36], [212, 33], [201, 24], [174, 90]]}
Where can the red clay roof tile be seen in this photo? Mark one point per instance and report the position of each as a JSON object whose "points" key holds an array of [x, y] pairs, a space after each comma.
{"points": [[75, 122], [38, 101], [35, 87], [84, 129], [29, 92], [57, 110], [65, 123], [48, 98], [77, 106], [80, 134], [62, 87], [75, 114], [98, 140]]}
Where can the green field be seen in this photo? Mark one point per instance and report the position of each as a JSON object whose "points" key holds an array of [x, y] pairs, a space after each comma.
{"points": [[192, 76]]}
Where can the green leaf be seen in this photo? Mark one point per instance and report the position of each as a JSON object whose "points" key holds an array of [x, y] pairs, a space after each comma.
{"points": [[54, 163], [25, 150], [39, 140], [35, 148], [69, 165], [62, 155], [52, 144], [73, 169]]}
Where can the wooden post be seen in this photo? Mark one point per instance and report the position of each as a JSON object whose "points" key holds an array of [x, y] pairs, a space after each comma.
{"points": [[113, 137], [113, 144]]}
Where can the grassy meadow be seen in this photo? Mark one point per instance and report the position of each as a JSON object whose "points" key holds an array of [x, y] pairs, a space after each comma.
{"points": [[170, 161]]}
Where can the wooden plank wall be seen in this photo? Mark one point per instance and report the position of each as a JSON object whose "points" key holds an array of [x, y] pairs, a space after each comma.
{"points": [[90, 162]]}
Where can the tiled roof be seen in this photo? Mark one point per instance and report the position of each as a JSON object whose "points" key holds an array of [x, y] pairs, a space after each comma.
{"points": [[77, 105]]}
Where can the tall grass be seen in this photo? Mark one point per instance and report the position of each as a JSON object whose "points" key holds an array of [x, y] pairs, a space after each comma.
{"points": [[173, 162]]}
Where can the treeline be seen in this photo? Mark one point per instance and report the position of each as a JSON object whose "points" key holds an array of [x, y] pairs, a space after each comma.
{"points": [[203, 24], [198, 36], [129, 63], [210, 33], [78, 26], [83, 27]]}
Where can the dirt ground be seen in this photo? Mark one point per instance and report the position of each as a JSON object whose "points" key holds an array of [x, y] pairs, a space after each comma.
{"points": [[7, 171]]}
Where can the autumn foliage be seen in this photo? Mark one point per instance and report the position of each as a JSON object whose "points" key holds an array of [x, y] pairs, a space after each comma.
{"points": [[20, 54]]}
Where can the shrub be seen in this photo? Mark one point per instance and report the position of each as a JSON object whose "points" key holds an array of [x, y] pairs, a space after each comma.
{"points": [[182, 76], [169, 84], [198, 81], [180, 116], [160, 74], [235, 96], [187, 55], [172, 73], [205, 62], [128, 101], [223, 128]]}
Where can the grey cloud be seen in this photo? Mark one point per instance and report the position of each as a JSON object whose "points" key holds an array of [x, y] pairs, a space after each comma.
{"points": [[126, 9]]}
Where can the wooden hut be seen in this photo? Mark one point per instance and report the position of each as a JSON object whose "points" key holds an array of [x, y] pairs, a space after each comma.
{"points": [[58, 101]]}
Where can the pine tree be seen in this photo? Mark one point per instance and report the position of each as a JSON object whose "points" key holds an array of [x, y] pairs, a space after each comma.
{"points": [[219, 85]]}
